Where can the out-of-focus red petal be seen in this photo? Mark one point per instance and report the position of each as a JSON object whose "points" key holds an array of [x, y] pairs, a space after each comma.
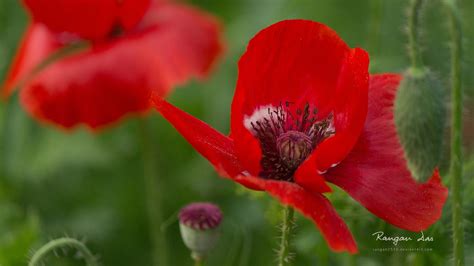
{"points": [[95, 87], [89, 19], [130, 12], [294, 60], [375, 172], [316, 207], [101, 85], [214, 146], [186, 41], [37, 44]]}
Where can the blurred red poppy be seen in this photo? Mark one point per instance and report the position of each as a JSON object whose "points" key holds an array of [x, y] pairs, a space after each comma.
{"points": [[127, 61], [306, 112]]}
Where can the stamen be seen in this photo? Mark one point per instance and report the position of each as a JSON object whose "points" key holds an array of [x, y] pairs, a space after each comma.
{"points": [[287, 138]]}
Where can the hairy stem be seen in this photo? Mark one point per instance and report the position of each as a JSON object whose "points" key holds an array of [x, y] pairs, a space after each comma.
{"points": [[59, 243], [414, 15], [456, 163], [286, 233], [153, 193]]}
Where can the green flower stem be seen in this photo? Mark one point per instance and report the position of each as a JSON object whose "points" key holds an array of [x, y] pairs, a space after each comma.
{"points": [[63, 242], [413, 33], [286, 233], [456, 163], [153, 191], [198, 261]]}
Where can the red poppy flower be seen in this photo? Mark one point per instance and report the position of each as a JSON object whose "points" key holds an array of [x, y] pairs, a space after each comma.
{"points": [[115, 76], [89, 19], [306, 112]]}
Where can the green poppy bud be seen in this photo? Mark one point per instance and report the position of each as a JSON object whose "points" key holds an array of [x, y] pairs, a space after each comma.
{"points": [[199, 225], [420, 120]]}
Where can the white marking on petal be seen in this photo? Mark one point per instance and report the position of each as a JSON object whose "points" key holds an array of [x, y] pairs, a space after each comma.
{"points": [[259, 114]]}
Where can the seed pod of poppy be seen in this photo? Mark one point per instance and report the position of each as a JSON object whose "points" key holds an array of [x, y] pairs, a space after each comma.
{"points": [[199, 225], [420, 119]]}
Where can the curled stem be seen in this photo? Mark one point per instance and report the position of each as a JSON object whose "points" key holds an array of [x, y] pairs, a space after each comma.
{"points": [[414, 15], [59, 243], [153, 194], [286, 233], [456, 163]]}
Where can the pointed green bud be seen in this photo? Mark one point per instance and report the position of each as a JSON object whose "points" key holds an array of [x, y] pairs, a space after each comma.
{"points": [[420, 119], [199, 225]]}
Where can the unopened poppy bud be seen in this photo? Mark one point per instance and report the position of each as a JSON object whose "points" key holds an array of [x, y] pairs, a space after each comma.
{"points": [[199, 223], [420, 119]]}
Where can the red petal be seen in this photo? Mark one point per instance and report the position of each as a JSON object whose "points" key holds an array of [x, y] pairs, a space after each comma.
{"points": [[349, 116], [214, 146], [314, 206], [36, 45], [308, 177], [349, 113], [95, 87], [375, 172], [101, 85], [89, 19], [317, 208], [186, 41], [293, 60]]}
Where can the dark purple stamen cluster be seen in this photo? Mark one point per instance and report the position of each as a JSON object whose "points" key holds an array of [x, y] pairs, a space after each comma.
{"points": [[287, 139], [200, 216]]}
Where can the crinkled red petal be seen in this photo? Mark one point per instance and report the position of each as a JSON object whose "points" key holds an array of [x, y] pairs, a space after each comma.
{"points": [[88, 19], [375, 172], [37, 44]]}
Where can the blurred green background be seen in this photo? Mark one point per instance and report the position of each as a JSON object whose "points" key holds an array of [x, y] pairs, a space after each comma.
{"points": [[91, 187]]}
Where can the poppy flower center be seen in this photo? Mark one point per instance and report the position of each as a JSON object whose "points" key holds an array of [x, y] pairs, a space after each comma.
{"points": [[287, 136], [293, 147]]}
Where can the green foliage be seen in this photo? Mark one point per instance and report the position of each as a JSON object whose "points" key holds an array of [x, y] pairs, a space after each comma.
{"points": [[19, 232], [420, 119]]}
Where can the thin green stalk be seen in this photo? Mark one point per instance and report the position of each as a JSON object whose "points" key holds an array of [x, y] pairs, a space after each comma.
{"points": [[456, 163], [59, 243], [376, 7], [286, 233], [153, 193], [3, 142], [414, 17], [198, 262]]}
